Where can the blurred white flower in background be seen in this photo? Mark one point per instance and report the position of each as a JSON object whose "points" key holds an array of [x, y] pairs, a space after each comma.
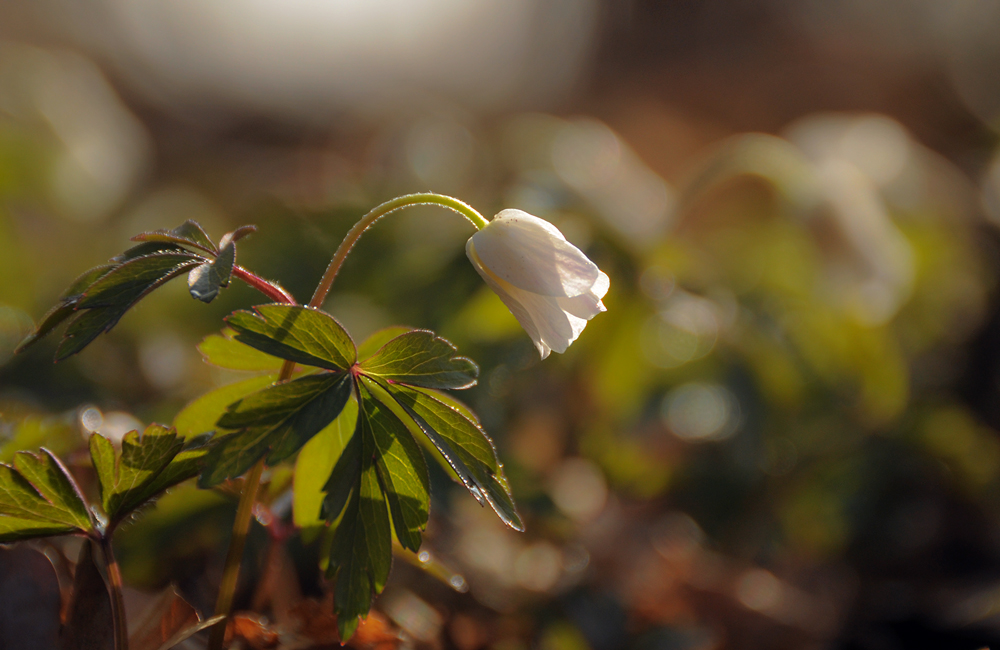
{"points": [[549, 285]]}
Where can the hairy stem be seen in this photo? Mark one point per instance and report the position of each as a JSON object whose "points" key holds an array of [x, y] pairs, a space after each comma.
{"points": [[425, 198], [115, 589], [271, 290]]}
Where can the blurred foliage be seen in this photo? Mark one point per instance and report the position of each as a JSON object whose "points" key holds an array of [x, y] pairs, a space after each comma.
{"points": [[769, 440]]}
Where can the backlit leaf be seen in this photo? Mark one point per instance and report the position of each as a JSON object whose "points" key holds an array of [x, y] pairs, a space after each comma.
{"points": [[146, 465], [241, 232], [274, 423], [400, 465], [372, 344], [420, 358], [464, 445], [107, 299], [223, 351], [200, 415], [38, 497], [314, 465], [361, 548], [301, 334]]}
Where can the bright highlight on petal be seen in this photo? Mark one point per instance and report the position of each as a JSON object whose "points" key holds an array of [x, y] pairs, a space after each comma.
{"points": [[549, 285]]}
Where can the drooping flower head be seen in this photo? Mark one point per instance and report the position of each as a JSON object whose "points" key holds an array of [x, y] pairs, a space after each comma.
{"points": [[549, 285]]}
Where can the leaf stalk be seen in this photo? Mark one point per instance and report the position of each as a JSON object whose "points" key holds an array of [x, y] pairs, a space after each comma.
{"points": [[273, 291]]}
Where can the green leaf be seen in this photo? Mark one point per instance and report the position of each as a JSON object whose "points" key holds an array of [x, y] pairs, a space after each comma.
{"points": [[275, 422], [361, 548], [420, 358], [206, 280], [107, 299], [380, 467], [185, 465], [128, 282], [372, 344], [464, 445], [200, 415], [97, 299], [38, 497], [189, 233], [314, 465], [67, 304], [400, 463], [146, 466], [222, 351], [147, 248], [301, 334]]}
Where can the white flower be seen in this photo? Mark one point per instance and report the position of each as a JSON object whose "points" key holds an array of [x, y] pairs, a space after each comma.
{"points": [[546, 282]]}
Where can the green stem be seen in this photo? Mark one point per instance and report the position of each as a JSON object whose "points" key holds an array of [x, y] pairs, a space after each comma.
{"points": [[117, 600], [425, 198], [249, 495], [231, 572]]}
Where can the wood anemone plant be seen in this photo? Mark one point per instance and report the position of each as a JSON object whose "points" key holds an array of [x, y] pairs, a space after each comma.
{"points": [[377, 405]]}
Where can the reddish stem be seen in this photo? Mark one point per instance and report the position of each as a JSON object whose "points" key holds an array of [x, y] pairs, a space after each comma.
{"points": [[269, 289]]}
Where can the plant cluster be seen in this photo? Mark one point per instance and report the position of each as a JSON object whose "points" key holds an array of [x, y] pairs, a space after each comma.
{"points": [[377, 409]]}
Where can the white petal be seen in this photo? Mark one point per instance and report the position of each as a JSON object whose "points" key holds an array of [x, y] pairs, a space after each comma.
{"points": [[512, 304], [531, 254], [556, 327], [585, 306], [601, 286]]}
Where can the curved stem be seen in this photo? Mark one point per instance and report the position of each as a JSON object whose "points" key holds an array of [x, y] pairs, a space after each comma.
{"points": [[117, 600], [425, 198], [249, 495], [271, 290]]}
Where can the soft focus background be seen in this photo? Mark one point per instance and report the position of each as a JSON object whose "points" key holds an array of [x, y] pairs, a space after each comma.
{"points": [[785, 431]]}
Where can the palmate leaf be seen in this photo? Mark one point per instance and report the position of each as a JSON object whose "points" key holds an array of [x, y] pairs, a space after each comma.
{"points": [[301, 334], [189, 233], [274, 423], [96, 301], [401, 468], [200, 416], [107, 300], [378, 484], [145, 466], [375, 341], [67, 304], [223, 351], [463, 445], [420, 358], [313, 466], [38, 497], [380, 469]]}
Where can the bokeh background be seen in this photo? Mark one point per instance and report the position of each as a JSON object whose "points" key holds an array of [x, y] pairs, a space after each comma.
{"points": [[785, 431]]}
